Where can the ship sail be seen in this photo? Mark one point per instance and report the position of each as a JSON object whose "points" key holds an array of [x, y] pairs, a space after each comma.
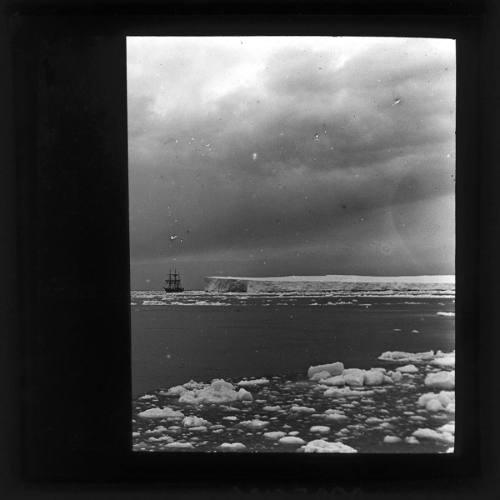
{"points": [[173, 282]]}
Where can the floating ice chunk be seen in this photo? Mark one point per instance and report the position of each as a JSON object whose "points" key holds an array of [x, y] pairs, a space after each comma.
{"points": [[338, 380], [147, 396], [198, 428], [415, 331], [400, 356], [293, 433], [396, 376], [192, 384], [219, 391], [445, 437], [177, 390], [442, 313], [291, 440], [411, 440], [417, 418], [343, 392], [232, 447], [302, 409], [253, 383], [373, 377], [392, 439], [335, 416], [449, 427], [373, 420], [321, 429], [320, 375], [193, 421], [157, 430], [164, 412], [407, 369], [322, 446], [354, 377], [451, 449], [386, 425], [254, 424], [444, 360], [136, 434], [275, 435], [434, 405], [332, 368], [178, 444], [441, 380], [244, 395], [230, 417], [154, 439], [271, 408]]}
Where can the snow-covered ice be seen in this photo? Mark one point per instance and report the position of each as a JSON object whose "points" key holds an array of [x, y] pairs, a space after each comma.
{"points": [[291, 440], [407, 369], [274, 435], [321, 429], [253, 382], [165, 412], [232, 447], [332, 368], [441, 380], [322, 446], [254, 424]]}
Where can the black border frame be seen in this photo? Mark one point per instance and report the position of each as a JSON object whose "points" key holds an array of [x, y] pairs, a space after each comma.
{"points": [[72, 239]]}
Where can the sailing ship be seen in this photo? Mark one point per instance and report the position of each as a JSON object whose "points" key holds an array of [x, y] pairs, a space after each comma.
{"points": [[173, 283]]}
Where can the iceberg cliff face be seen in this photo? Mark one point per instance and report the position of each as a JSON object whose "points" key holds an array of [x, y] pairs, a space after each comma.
{"points": [[333, 283]]}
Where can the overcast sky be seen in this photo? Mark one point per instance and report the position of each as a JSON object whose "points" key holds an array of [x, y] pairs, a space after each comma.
{"points": [[265, 156]]}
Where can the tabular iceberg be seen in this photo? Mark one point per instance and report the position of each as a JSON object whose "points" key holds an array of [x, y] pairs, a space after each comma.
{"points": [[438, 284]]}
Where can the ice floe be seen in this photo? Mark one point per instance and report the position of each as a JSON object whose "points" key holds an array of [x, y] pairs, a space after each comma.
{"points": [[321, 429], [178, 444], [338, 380], [444, 360], [232, 447], [407, 369], [322, 446], [275, 435], [441, 380], [425, 433], [373, 377], [253, 382], [402, 357], [411, 440], [164, 412], [291, 440], [334, 392], [335, 416], [219, 391], [332, 368], [254, 424], [302, 409], [392, 439], [442, 313], [193, 421], [271, 408]]}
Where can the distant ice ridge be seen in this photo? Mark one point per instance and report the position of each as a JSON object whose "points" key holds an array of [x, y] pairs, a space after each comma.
{"points": [[430, 284]]}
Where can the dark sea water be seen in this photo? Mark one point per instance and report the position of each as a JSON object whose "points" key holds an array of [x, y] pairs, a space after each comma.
{"points": [[275, 335], [201, 337]]}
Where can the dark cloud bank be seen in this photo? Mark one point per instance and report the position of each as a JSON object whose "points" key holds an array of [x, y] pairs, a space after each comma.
{"points": [[254, 158]]}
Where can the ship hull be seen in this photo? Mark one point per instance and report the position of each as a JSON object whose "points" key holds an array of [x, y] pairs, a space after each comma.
{"points": [[177, 290]]}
